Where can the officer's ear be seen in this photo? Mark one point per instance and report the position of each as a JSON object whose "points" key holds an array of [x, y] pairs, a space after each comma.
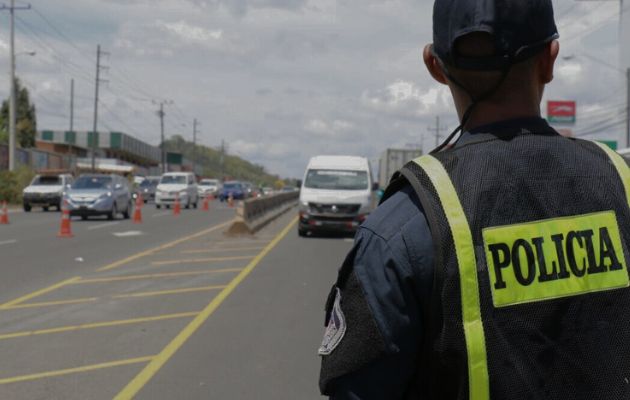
{"points": [[433, 64], [547, 61]]}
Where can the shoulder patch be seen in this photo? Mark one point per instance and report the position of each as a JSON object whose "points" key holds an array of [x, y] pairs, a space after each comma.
{"points": [[336, 328]]}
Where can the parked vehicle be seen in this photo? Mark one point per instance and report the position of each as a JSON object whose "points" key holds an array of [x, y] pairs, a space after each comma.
{"points": [[207, 187], [45, 191], [336, 194], [234, 188], [97, 194], [147, 189], [177, 184]]}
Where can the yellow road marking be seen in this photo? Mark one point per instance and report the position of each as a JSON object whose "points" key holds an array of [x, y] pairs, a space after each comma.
{"points": [[159, 360], [51, 303], [162, 247], [39, 292], [96, 325], [236, 242], [68, 371], [158, 275], [201, 251], [116, 264], [171, 291], [201, 260]]}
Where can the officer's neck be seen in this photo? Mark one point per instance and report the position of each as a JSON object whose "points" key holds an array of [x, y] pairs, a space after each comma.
{"points": [[488, 113]]}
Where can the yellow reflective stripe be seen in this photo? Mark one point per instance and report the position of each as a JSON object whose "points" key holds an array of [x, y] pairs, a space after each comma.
{"points": [[478, 381], [620, 165]]}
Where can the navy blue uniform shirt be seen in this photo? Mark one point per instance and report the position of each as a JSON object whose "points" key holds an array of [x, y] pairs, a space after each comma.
{"points": [[392, 261]]}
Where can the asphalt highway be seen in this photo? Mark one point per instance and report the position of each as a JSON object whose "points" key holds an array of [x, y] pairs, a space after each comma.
{"points": [[170, 308]]}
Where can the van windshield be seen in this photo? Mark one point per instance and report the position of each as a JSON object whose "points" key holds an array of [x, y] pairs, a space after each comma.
{"points": [[336, 179]]}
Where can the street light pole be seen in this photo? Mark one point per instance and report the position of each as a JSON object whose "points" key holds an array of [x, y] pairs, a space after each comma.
{"points": [[12, 111], [12, 134]]}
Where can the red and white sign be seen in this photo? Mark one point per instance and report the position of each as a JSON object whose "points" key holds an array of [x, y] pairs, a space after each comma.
{"points": [[561, 111]]}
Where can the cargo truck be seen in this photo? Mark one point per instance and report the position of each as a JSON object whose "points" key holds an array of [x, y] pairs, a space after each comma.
{"points": [[392, 160]]}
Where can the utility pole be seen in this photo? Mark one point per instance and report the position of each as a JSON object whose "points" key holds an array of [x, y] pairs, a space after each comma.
{"points": [[71, 112], [98, 82], [438, 129], [222, 159], [161, 115], [71, 105], [12, 106], [194, 152]]}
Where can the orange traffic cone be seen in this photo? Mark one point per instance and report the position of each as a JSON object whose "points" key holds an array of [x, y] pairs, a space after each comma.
{"points": [[4, 217], [206, 204], [230, 201], [137, 210], [178, 207], [65, 231]]}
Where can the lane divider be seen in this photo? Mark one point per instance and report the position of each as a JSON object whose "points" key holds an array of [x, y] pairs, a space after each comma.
{"points": [[201, 260], [158, 275], [94, 325], [202, 251], [68, 371], [169, 291], [162, 247], [113, 265], [51, 303], [117, 296], [162, 358], [39, 292]]}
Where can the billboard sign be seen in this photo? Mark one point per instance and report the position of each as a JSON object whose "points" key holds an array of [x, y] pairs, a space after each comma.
{"points": [[561, 112]]}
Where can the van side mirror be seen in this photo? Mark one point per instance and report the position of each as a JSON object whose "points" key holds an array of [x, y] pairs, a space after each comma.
{"points": [[375, 186]]}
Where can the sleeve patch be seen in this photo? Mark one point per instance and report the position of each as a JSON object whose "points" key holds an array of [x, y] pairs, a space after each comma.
{"points": [[336, 328]]}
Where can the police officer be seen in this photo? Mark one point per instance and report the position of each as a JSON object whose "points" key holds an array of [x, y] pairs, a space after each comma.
{"points": [[496, 267]]}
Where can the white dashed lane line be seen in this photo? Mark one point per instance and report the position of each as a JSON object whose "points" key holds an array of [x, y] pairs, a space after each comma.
{"points": [[5, 242], [105, 225], [128, 233]]}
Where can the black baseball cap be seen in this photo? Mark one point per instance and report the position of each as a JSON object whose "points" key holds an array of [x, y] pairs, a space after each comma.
{"points": [[520, 28]]}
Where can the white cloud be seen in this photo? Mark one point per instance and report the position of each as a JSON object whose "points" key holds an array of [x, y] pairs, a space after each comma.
{"points": [[190, 33], [328, 129], [406, 98]]}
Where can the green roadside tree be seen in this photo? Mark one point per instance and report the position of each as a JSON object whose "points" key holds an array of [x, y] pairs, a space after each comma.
{"points": [[25, 118]]}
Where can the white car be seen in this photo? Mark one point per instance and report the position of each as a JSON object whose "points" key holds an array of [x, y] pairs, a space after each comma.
{"points": [[175, 185], [45, 191], [208, 187]]}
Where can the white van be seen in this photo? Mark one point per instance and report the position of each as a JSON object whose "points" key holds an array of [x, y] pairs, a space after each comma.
{"points": [[336, 194], [177, 184]]}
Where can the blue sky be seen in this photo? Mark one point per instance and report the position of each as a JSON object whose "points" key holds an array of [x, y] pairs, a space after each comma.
{"points": [[281, 80]]}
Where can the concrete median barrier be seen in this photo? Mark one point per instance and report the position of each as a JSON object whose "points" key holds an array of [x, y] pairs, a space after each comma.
{"points": [[253, 214]]}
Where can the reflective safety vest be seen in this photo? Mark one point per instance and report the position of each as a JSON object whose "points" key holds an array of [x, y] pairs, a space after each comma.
{"points": [[531, 295]]}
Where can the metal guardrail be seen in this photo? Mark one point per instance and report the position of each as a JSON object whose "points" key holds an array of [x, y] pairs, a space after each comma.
{"points": [[252, 209]]}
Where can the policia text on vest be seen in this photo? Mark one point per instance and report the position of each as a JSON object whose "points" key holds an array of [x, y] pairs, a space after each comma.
{"points": [[555, 258]]}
